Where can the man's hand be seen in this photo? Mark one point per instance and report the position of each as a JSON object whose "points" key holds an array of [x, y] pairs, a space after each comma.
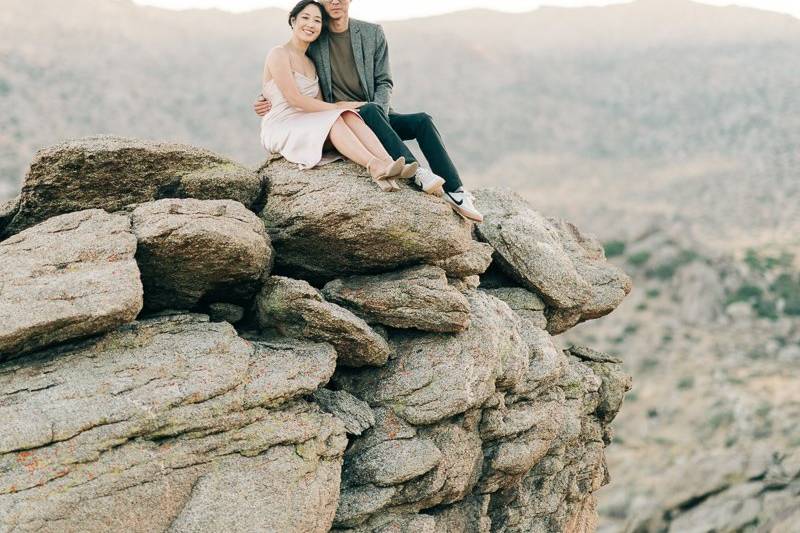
{"points": [[262, 106], [349, 105]]}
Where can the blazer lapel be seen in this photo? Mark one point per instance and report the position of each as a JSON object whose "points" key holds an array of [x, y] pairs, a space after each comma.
{"points": [[358, 55], [323, 61]]}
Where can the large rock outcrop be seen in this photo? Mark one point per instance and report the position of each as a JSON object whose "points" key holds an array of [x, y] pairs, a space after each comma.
{"points": [[71, 276], [408, 394], [109, 173], [331, 222], [552, 259], [190, 250]]}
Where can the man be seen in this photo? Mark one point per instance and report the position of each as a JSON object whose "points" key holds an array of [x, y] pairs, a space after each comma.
{"points": [[352, 61]]}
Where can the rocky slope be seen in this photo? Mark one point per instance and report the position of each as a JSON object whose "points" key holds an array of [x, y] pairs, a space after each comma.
{"points": [[187, 345], [709, 440]]}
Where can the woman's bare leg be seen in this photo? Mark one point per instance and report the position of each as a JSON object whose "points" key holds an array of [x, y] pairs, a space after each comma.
{"points": [[347, 143], [366, 136]]}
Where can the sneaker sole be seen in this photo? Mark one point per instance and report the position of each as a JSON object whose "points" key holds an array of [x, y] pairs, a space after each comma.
{"points": [[469, 217]]}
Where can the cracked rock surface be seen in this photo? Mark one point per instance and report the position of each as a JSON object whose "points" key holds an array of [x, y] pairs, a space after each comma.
{"points": [[109, 173], [296, 309], [69, 277], [416, 298], [334, 221], [190, 250], [198, 426], [552, 259]]}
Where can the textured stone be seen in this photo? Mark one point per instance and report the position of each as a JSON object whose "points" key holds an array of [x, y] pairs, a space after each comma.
{"points": [[558, 493], [529, 249], [470, 515], [546, 365], [417, 297], [435, 376], [552, 258], [520, 435], [173, 424], [473, 262], [395, 523], [358, 504], [8, 209], [225, 312], [465, 285], [523, 302], [426, 467], [355, 414], [333, 221], [609, 285], [190, 250], [391, 462], [69, 277], [111, 172], [296, 309], [461, 453]]}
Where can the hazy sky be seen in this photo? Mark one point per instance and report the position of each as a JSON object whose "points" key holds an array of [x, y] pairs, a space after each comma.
{"points": [[388, 9]]}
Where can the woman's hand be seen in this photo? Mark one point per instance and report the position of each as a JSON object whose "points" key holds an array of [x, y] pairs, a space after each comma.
{"points": [[353, 106], [262, 106]]}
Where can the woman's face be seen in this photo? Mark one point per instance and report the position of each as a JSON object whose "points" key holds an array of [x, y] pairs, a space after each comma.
{"points": [[308, 23]]}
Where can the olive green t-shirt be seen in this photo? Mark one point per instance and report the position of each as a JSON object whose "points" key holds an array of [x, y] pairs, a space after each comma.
{"points": [[344, 74]]}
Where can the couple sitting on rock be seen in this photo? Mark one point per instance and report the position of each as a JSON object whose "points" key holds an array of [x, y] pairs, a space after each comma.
{"points": [[349, 60]]}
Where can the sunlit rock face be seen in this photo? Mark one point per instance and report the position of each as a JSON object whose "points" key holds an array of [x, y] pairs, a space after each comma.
{"points": [[384, 376]]}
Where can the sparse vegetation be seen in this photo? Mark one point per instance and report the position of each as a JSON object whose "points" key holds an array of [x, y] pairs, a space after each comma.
{"points": [[653, 293], [639, 258], [614, 248], [667, 269], [721, 419], [781, 296], [765, 263], [787, 288]]}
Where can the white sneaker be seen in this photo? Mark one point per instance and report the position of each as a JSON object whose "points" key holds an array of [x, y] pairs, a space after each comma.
{"points": [[429, 182], [461, 201]]}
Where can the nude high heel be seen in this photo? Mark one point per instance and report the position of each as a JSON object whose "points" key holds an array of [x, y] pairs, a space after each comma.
{"points": [[409, 171], [382, 177]]}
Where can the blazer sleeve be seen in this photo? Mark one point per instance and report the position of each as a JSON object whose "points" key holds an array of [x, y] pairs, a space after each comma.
{"points": [[383, 72]]}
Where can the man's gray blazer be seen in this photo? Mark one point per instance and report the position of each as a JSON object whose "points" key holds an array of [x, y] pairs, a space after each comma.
{"points": [[372, 62]]}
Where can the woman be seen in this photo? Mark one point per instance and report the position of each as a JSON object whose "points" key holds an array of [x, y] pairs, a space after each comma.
{"points": [[300, 123]]}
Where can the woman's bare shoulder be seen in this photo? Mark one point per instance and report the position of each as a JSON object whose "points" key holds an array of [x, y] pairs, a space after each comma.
{"points": [[277, 51]]}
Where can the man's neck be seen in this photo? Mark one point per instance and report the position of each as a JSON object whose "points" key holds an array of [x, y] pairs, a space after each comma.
{"points": [[339, 26]]}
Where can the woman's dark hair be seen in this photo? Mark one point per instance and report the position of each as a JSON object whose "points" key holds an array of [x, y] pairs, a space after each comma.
{"points": [[301, 5]]}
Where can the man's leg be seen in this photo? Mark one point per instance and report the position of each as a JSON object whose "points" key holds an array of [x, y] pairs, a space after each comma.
{"points": [[378, 122], [420, 126]]}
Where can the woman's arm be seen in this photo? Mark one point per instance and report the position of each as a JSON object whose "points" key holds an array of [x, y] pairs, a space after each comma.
{"points": [[280, 68]]}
